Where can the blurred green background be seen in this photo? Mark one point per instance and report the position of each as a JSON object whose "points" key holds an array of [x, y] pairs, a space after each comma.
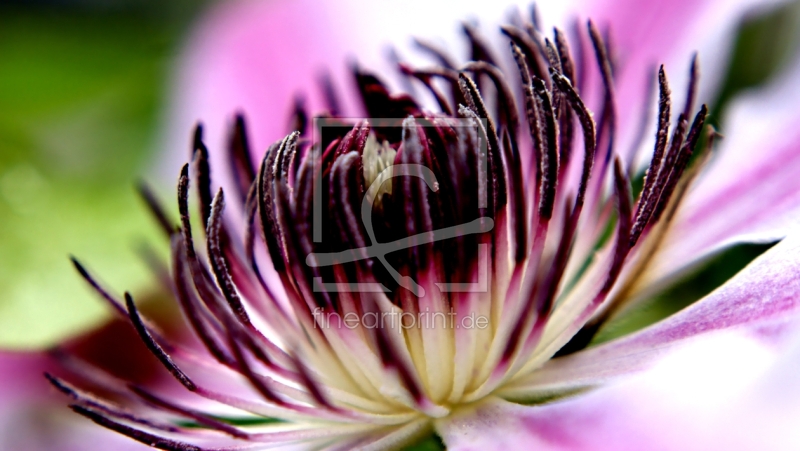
{"points": [[83, 89]]}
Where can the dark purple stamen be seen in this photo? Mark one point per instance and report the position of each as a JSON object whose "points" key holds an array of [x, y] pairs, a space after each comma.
{"points": [[156, 208], [530, 49], [218, 264], [200, 417], [609, 118], [239, 154], [154, 347], [146, 438], [203, 171]]}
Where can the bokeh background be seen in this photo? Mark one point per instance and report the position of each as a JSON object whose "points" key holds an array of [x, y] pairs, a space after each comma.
{"points": [[85, 87]]}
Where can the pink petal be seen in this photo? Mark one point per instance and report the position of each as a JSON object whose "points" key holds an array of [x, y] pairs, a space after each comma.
{"points": [[760, 298], [34, 417], [770, 406], [255, 57], [646, 34], [692, 400]]}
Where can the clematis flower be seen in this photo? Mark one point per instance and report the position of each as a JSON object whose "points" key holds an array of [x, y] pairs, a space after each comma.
{"points": [[444, 268]]}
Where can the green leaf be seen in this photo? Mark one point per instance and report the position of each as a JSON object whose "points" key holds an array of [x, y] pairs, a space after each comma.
{"points": [[763, 45]]}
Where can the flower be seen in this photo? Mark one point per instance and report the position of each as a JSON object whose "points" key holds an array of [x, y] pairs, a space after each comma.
{"points": [[382, 387]]}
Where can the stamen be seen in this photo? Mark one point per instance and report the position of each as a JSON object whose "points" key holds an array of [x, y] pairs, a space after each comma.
{"points": [[562, 107], [156, 208], [516, 196], [564, 55], [90, 401], [546, 291], [239, 155], [691, 93], [589, 138], [507, 108], [343, 178], [531, 50], [203, 171], [154, 347], [534, 126], [414, 197], [391, 359], [649, 195], [207, 290], [329, 93], [249, 373], [550, 150], [609, 117], [196, 312], [586, 328], [480, 47], [218, 262], [522, 65], [183, 208], [377, 100], [439, 53], [426, 77], [497, 196], [299, 120], [535, 21], [147, 438], [485, 187], [552, 56], [269, 228], [313, 387], [580, 56], [199, 417], [446, 61], [549, 287], [678, 136], [115, 303], [622, 189], [297, 244], [645, 116], [681, 162]]}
